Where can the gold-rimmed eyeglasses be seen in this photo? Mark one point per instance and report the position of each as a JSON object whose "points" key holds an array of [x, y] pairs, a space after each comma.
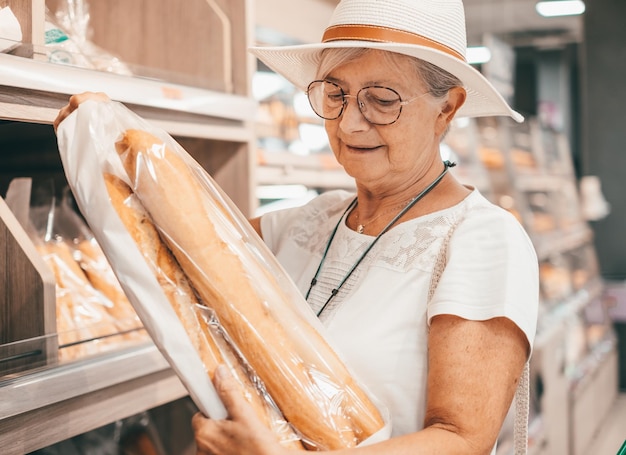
{"points": [[379, 105]]}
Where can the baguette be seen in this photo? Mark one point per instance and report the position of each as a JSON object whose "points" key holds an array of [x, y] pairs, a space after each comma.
{"points": [[212, 350], [81, 310], [64, 307], [304, 376], [100, 274]]}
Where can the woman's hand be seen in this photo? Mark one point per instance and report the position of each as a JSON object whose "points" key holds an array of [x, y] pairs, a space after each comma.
{"points": [[74, 102], [242, 433]]}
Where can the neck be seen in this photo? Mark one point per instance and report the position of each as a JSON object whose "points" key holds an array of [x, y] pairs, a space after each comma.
{"points": [[373, 212]]}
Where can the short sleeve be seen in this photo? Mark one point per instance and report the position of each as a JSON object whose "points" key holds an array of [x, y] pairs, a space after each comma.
{"points": [[491, 271]]}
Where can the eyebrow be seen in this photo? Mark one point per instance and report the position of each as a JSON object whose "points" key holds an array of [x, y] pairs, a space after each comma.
{"points": [[333, 79], [366, 84]]}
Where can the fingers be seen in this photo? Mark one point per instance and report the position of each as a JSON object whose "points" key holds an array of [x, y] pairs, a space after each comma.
{"points": [[230, 395], [203, 433], [218, 437], [241, 433], [230, 437], [76, 100], [73, 104]]}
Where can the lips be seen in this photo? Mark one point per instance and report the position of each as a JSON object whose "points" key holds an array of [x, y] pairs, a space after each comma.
{"points": [[360, 148]]}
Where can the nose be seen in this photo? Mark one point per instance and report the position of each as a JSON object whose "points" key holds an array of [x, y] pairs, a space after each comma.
{"points": [[360, 104], [352, 117]]}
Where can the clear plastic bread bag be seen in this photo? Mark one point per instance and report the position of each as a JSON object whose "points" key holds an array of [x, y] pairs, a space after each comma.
{"points": [[239, 286], [85, 317]]}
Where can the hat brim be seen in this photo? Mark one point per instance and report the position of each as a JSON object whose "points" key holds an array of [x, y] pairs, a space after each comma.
{"points": [[298, 64]]}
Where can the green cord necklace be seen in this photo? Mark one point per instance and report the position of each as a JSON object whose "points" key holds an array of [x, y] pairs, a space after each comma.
{"points": [[333, 293]]}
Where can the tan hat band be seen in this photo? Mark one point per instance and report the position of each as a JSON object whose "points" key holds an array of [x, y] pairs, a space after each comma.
{"points": [[385, 35]]}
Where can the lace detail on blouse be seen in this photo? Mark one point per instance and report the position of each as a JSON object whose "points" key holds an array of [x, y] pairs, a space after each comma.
{"points": [[411, 245]]}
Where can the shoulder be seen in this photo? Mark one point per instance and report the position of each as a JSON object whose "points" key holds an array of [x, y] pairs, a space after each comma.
{"points": [[487, 233], [491, 268], [325, 205], [330, 202], [307, 218], [482, 216]]}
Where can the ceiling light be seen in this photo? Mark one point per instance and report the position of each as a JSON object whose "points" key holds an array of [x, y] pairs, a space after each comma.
{"points": [[555, 8], [478, 54]]}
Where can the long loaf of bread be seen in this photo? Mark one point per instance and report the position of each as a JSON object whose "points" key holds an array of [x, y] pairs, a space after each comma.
{"points": [[66, 326], [81, 310], [94, 263], [212, 349], [311, 385]]}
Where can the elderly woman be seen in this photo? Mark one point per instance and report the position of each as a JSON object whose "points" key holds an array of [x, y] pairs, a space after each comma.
{"points": [[427, 290]]}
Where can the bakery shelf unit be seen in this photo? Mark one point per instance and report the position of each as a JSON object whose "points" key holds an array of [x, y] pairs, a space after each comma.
{"points": [[460, 146], [574, 365], [186, 69]]}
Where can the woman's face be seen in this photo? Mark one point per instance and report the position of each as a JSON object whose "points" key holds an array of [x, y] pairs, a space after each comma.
{"points": [[381, 157]]}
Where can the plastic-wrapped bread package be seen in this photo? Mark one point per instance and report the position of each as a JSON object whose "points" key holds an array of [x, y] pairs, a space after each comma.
{"points": [[91, 308], [250, 301], [209, 345], [93, 262], [87, 253], [82, 311]]}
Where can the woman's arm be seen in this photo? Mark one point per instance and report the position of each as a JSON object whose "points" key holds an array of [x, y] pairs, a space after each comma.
{"points": [[474, 368]]}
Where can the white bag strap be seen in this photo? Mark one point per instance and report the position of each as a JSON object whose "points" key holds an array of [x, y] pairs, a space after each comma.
{"points": [[522, 406], [522, 393]]}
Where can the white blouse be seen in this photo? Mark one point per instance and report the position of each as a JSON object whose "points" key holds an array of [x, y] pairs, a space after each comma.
{"points": [[378, 321]]}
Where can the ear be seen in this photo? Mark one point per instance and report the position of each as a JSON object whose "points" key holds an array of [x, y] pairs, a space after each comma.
{"points": [[456, 98]]}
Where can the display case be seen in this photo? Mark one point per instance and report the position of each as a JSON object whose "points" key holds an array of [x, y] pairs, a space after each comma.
{"points": [[460, 145], [185, 69], [531, 174], [28, 306], [494, 146]]}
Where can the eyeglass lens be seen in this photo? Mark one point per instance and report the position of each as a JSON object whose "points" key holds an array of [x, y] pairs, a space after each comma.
{"points": [[379, 105]]}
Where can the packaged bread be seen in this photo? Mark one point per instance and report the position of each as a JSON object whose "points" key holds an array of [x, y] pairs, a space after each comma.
{"points": [[92, 312], [210, 346], [83, 322], [96, 267], [257, 308], [64, 306]]}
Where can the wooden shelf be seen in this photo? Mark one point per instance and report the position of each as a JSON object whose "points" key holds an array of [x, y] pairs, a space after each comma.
{"points": [[314, 171], [48, 85], [556, 318], [191, 77], [45, 407]]}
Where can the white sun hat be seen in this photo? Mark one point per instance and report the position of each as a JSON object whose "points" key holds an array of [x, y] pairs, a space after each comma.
{"points": [[431, 30]]}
